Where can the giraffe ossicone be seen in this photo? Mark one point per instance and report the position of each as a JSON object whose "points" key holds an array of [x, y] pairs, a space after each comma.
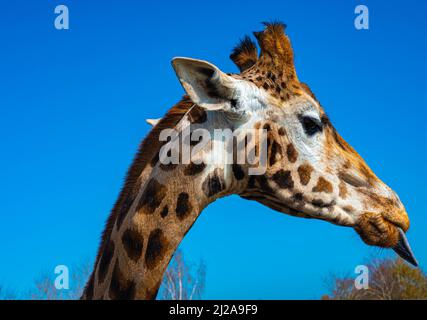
{"points": [[311, 171]]}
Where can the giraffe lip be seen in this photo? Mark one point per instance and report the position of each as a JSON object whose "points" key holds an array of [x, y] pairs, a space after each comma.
{"points": [[404, 250]]}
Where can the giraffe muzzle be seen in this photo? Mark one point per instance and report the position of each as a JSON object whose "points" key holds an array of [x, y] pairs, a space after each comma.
{"points": [[403, 249]]}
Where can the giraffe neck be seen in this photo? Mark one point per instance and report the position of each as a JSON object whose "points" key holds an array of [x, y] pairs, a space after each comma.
{"points": [[150, 223], [141, 247]]}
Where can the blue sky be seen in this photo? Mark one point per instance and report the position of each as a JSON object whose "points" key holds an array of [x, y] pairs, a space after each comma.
{"points": [[72, 111]]}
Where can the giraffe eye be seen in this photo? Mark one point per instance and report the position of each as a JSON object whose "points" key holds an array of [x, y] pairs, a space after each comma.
{"points": [[311, 125]]}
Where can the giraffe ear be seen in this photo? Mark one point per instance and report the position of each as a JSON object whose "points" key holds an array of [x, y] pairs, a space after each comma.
{"points": [[206, 85]]}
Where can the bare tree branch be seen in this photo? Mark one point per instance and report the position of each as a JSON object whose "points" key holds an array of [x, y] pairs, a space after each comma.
{"points": [[181, 282]]}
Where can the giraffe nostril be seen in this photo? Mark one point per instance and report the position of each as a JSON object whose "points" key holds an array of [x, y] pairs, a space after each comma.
{"points": [[353, 179], [398, 218]]}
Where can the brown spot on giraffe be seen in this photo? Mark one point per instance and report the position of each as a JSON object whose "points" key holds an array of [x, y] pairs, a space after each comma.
{"points": [[282, 131], [156, 246], [105, 261], [304, 172], [152, 197], [298, 197], [164, 212], [292, 153], [183, 206], [168, 167], [283, 178], [275, 153], [343, 192], [238, 172], [133, 243], [193, 169], [120, 287], [257, 125], [323, 185], [213, 184]]}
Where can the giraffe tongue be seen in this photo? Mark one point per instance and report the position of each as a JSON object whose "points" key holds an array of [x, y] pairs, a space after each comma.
{"points": [[404, 250]]}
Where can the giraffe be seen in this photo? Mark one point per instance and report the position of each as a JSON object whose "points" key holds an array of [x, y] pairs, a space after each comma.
{"points": [[311, 172]]}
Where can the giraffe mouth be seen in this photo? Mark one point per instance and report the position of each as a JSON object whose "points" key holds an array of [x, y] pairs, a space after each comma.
{"points": [[403, 249], [378, 230]]}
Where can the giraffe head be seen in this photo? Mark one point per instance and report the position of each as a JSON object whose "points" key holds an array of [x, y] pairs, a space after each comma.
{"points": [[311, 171]]}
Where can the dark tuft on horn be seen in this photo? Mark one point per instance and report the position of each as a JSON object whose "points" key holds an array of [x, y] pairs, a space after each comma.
{"points": [[245, 54], [275, 25], [276, 48]]}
